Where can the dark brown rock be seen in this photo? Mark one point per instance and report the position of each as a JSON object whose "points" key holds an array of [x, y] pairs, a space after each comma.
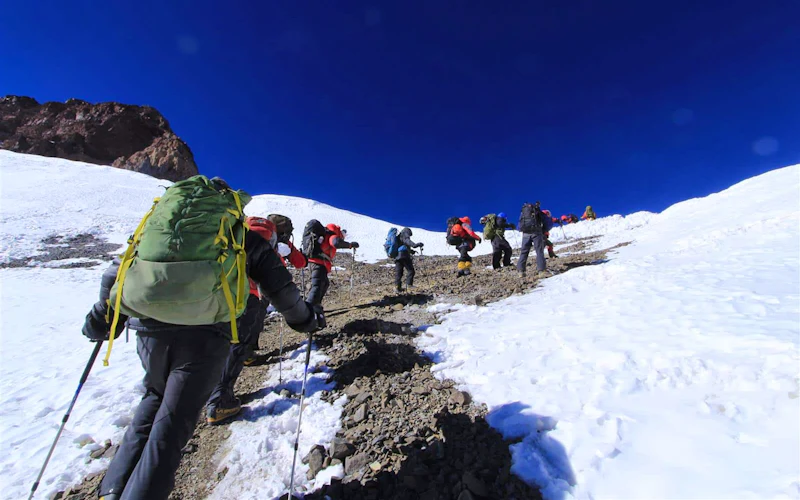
{"points": [[466, 495], [315, 460], [360, 414], [341, 448], [354, 463], [475, 484], [459, 397], [131, 137]]}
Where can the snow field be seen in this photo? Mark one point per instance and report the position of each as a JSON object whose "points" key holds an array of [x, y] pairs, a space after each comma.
{"points": [[670, 371], [42, 356], [262, 441]]}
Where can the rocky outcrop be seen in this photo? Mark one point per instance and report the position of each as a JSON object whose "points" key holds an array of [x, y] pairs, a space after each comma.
{"points": [[134, 138]]}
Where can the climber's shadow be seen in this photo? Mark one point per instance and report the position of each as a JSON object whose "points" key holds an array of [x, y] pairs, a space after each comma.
{"points": [[405, 298], [467, 454]]}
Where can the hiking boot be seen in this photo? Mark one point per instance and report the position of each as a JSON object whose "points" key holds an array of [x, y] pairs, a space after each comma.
{"points": [[521, 274], [251, 360], [398, 289], [543, 274], [220, 413]]}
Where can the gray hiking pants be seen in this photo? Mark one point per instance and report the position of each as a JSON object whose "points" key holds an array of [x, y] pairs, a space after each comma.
{"points": [[181, 368], [537, 241]]}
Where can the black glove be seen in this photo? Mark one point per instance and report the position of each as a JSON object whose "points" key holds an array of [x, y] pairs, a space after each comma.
{"points": [[95, 328], [420, 245], [319, 313], [354, 244], [513, 227]]}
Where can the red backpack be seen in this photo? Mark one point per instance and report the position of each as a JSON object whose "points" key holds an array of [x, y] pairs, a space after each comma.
{"points": [[265, 228]]}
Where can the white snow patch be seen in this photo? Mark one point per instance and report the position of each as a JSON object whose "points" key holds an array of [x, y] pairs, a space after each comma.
{"points": [[262, 441], [670, 371]]}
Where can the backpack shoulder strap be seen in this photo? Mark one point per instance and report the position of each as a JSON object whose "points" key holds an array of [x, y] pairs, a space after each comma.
{"points": [[125, 263]]}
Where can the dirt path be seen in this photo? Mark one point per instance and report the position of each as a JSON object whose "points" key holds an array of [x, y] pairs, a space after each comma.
{"points": [[405, 434]]}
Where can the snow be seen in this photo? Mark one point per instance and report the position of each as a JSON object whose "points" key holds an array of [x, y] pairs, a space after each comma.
{"points": [[42, 353], [368, 232], [262, 442], [670, 371]]}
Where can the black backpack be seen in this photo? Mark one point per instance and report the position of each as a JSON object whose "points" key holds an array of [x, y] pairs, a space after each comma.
{"points": [[451, 238], [311, 235], [531, 219]]}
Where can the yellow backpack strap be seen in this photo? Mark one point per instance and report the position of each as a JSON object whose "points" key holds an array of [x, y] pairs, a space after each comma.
{"points": [[241, 265], [127, 260], [241, 257], [231, 308], [226, 289]]}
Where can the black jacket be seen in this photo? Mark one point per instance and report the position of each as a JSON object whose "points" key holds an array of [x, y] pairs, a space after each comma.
{"points": [[263, 265], [404, 240]]}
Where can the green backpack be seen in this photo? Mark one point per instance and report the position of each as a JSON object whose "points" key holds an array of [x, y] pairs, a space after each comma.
{"points": [[489, 228], [185, 263]]}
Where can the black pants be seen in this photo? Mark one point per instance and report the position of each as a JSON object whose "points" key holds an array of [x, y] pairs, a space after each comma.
{"points": [[549, 245], [404, 263], [319, 283], [537, 241], [463, 248], [250, 325], [501, 250], [181, 367]]}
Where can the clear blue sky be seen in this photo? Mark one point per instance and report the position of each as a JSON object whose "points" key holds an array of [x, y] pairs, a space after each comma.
{"points": [[413, 111]]}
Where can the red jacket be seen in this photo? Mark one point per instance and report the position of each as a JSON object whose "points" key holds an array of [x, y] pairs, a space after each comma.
{"points": [[329, 246], [296, 257], [464, 230]]}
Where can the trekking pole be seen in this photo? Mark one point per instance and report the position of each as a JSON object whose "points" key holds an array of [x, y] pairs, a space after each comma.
{"points": [[85, 375], [562, 231], [352, 272], [300, 418], [280, 353]]}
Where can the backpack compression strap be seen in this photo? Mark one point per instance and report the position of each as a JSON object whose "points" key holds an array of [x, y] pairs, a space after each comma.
{"points": [[241, 265], [127, 259]]}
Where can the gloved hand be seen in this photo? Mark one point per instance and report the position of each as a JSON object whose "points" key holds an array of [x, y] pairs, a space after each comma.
{"points": [[480, 240], [354, 244], [320, 315], [513, 227], [420, 245], [284, 250], [95, 328]]}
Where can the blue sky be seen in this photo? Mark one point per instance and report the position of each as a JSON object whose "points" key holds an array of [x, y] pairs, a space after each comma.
{"points": [[415, 111]]}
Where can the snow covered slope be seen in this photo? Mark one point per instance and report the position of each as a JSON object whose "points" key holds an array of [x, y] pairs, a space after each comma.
{"points": [[42, 352], [43, 196], [670, 371]]}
